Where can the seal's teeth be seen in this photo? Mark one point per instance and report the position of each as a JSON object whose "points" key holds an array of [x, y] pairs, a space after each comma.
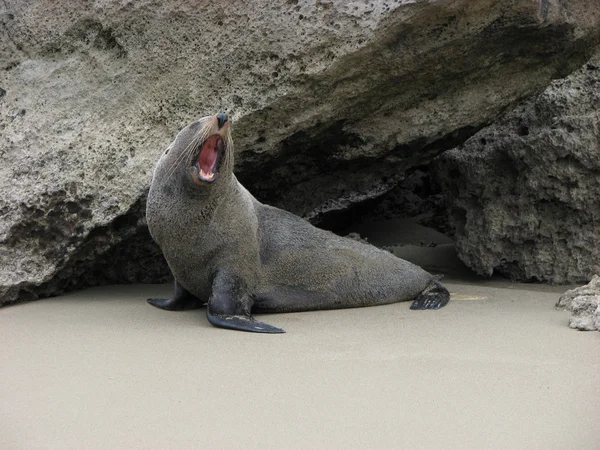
{"points": [[207, 176]]}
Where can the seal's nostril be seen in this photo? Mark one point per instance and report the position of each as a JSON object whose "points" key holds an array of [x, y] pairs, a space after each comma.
{"points": [[221, 118]]}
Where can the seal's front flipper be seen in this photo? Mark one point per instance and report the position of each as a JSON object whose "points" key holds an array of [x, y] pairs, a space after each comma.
{"points": [[435, 296], [242, 323], [182, 299], [230, 304]]}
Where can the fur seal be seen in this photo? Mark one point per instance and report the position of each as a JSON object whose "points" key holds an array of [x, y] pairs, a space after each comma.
{"points": [[239, 256]]}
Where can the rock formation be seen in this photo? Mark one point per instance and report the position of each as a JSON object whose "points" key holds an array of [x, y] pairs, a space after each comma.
{"points": [[524, 193], [333, 102], [584, 304]]}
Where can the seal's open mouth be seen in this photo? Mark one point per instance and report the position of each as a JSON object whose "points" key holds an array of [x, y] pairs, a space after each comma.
{"points": [[207, 164]]}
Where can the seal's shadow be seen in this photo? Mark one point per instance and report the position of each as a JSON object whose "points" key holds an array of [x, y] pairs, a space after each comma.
{"points": [[186, 318]]}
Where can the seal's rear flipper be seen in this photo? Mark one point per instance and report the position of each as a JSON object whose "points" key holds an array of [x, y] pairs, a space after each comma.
{"points": [[182, 299], [435, 296], [242, 323]]}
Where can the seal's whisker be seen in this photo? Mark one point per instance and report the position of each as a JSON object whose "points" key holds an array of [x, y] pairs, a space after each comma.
{"points": [[176, 163], [181, 158], [229, 147], [201, 136], [187, 152]]}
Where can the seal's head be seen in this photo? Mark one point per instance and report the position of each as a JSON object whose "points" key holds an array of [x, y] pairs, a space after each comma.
{"points": [[201, 154]]}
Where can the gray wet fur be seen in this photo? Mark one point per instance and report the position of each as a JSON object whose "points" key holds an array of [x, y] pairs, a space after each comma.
{"points": [[227, 249]]}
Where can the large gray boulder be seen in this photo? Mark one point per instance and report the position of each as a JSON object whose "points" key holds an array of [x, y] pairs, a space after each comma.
{"points": [[333, 102], [524, 193]]}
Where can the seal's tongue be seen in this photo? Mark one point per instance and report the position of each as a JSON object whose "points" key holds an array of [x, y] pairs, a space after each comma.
{"points": [[208, 157]]}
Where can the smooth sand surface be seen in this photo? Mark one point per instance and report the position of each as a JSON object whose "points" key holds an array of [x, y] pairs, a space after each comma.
{"points": [[497, 368]]}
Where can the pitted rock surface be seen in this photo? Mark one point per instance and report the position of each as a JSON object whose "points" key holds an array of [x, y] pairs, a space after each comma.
{"points": [[584, 304], [524, 194], [333, 101]]}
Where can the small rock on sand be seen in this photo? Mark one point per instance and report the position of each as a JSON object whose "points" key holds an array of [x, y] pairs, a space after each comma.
{"points": [[584, 304]]}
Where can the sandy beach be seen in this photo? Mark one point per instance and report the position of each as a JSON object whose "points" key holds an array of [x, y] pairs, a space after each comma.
{"points": [[497, 368]]}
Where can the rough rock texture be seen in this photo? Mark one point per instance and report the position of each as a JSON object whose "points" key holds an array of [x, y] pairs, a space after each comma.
{"points": [[333, 101], [584, 304], [524, 194]]}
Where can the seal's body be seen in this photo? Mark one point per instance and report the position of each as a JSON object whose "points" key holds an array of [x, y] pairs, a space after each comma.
{"points": [[228, 250]]}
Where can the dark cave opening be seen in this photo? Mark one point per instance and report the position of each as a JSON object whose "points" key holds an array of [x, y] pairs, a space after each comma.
{"points": [[418, 196]]}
